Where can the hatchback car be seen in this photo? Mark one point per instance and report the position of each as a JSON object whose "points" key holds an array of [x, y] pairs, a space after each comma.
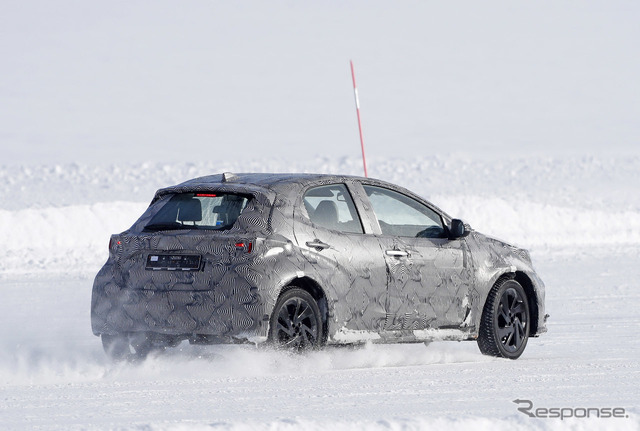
{"points": [[305, 260]]}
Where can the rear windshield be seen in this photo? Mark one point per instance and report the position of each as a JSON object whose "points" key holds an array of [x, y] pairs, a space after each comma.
{"points": [[212, 211]]}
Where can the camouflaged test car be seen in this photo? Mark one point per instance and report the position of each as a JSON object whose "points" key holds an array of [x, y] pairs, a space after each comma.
{"points": [[304, 260]]}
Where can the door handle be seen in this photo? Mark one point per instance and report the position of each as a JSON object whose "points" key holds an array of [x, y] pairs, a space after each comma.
{"points": [[317, 244], [396, 253]]}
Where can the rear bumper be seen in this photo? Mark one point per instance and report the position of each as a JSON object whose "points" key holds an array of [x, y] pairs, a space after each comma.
{"points": [[232, 314]]}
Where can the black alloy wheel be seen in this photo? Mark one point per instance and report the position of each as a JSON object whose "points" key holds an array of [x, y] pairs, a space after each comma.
{"points": [[504, 327], [296, 322]]}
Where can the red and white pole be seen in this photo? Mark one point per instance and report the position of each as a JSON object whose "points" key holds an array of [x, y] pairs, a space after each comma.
{"points": [[355, 93]]}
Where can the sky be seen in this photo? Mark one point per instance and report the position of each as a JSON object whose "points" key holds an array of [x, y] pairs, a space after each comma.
{"points": [[106, 82]]}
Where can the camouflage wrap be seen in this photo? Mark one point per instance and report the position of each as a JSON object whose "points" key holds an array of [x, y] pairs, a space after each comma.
{"points": [[436, 290]]}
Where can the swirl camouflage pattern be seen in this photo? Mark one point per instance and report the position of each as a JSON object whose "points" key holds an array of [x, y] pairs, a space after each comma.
{"points": [[303, 260]]}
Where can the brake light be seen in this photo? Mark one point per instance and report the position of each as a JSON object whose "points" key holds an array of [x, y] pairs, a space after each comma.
{"points": [[247, 246], [111, 242], [206, 195]]}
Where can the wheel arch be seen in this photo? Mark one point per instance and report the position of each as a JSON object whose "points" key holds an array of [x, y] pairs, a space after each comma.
{"points": [[529, 289], [523, 279]]}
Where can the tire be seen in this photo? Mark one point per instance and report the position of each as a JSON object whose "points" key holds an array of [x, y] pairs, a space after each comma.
{"points": [[504, 326], [116, 346], [296, 321], [132, 347], [143, 345]]}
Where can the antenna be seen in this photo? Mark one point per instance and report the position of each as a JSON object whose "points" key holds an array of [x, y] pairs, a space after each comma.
{"points": [[355, 93]]}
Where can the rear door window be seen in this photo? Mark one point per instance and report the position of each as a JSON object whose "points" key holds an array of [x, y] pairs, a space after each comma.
{"points": [[331, 207], [209, 211]]}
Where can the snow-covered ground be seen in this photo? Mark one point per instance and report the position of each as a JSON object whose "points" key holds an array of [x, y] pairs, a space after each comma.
{"points": [[53, 373]]}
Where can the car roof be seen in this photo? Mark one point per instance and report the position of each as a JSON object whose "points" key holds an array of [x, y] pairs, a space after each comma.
{"points": [[265, 179], [266, 184], [262, 183]]}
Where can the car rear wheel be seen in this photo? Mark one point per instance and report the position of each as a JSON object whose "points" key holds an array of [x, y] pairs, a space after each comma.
{"points": [[134, 346], [504, 327], [116, 346], [296, 322]]}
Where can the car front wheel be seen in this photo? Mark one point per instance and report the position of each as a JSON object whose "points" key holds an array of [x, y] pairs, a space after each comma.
{"points": [[504, 327]]}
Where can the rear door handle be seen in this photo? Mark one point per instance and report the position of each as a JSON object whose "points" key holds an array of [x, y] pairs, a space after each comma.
{"points": [[317, 244], [396, 253]]}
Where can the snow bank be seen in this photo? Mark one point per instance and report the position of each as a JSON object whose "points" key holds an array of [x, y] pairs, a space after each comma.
{"points": [[66, 239], [75, 238], [532, 224], [579, 181], [60, 217]]}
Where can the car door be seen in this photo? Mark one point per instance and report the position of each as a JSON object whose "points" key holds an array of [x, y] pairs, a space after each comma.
{"points": [[429, 275], [347, 263]]}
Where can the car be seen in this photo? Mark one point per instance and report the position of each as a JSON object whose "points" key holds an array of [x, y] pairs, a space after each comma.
{"points": [[300, 261]]}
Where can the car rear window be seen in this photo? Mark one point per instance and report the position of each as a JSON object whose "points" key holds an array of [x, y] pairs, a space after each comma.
{"points": [[211, 211]]}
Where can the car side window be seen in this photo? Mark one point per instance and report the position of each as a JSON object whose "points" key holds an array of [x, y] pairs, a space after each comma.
{"points": [[400, 215], [332, 207]]}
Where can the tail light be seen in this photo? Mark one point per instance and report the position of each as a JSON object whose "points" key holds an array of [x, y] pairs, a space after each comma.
{"points": [[247, 246], [111, 242]]}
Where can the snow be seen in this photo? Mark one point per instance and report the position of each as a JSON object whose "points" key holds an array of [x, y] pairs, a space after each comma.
{"points": [[521, 119]]}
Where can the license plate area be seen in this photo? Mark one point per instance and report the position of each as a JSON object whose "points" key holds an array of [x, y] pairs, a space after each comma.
{"points": [[173, 262]]}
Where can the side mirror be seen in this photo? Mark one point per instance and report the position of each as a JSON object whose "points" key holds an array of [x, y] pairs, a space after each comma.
{"points": [[457, 229]]}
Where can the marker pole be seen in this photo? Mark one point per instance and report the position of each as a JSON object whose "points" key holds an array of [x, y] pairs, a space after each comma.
{"points": [[355, 93]]}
